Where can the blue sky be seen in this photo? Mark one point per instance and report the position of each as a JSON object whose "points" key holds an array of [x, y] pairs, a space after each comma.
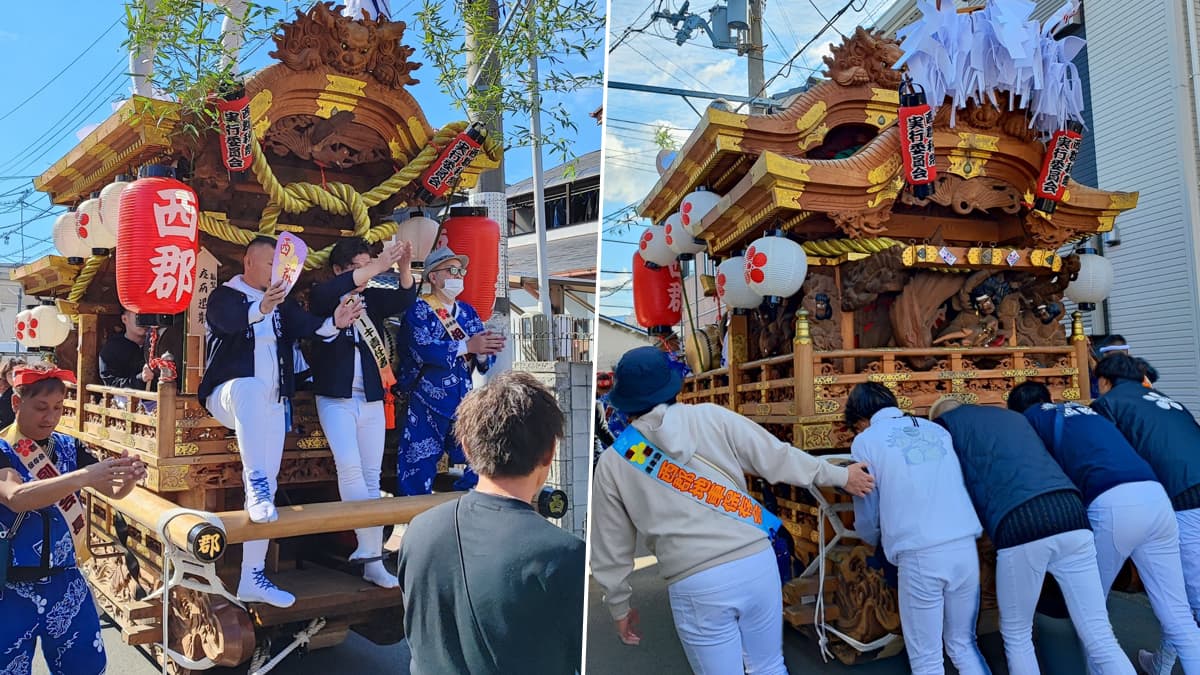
{"points": [[653, 58], [65, 97]]}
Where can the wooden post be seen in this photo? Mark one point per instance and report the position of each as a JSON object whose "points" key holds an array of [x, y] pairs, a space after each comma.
{"points": [[738, 335], [802, 369], [193, 363], [165, 411], [845, 323], [1079, 341], [87, 363]]}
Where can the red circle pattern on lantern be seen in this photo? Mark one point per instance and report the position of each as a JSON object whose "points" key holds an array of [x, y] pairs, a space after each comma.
{"points": [[158, 237], [657, 294], [755, 262], [478, 238]]}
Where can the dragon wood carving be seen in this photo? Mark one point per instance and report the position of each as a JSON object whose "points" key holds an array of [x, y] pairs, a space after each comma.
{"points": [[864, 58], [353, 47], [966, 195]]}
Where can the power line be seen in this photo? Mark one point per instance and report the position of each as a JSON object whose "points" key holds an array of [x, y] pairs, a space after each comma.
{"points": [[60, 73], [630, 30]]}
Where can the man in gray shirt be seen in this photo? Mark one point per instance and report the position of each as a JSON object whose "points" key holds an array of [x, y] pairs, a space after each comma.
{"points": [[489, 586]]}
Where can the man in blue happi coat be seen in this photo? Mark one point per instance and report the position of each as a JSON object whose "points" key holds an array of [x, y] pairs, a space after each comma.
{"points": [[42, 518], [443, 342]]}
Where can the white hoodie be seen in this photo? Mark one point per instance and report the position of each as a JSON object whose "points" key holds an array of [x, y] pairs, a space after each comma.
{"points": [[685, 535]]}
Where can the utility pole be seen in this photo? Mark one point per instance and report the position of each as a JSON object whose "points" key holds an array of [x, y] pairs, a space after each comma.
{"points": [[539, 188], [483, 74], [754, 55]]}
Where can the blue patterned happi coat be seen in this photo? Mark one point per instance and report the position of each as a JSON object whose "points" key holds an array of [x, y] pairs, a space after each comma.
{"points": [[58, 609], [437, 379]]}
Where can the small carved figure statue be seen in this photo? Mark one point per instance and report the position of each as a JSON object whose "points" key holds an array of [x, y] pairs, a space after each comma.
{"points": [[973, 329], [1040, 326], [824, 311]]}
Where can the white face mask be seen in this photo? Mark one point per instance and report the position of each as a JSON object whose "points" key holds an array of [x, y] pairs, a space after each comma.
{"points": [[453, 287]]}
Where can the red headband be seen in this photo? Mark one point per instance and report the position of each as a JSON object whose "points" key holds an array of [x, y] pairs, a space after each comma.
{"points": [[27, 376]]}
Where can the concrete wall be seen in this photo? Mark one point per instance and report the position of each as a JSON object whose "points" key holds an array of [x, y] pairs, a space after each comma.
{"points": [[571, 472]]}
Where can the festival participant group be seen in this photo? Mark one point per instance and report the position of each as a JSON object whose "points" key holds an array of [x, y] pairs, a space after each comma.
{"points": [[254, 366], [1060, 489]]}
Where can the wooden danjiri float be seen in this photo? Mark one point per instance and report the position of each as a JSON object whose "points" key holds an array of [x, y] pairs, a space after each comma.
{"points": [[893, 293], [337, 146]]}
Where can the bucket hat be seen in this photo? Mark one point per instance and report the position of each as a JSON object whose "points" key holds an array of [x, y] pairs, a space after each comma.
{"points": [[643, 379]]}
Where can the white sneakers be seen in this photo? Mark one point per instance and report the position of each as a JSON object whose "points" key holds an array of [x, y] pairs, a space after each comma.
{"points": [[377, 574], [260, 503], [258, 588]]}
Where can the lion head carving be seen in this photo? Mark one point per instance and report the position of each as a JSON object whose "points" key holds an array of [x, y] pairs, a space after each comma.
{"points": [[354, 47]]}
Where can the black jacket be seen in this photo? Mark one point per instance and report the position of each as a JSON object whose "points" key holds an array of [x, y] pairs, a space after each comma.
{"points": [[333, 360], [1162, 431], [121, 363], [231, 339]]}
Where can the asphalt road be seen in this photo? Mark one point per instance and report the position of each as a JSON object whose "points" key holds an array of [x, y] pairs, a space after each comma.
{"points": [[355, 655], [661, 654]]}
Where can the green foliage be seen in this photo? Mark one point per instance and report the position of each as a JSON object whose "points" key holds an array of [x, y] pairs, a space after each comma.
{"points": [[565, 35], [188, 54], [663, 138]]}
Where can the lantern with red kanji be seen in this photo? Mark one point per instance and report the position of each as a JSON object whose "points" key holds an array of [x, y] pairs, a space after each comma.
{"points": [[775, 267], [657, 295], [234, 111], [1056, 167], [159, 242], [916, 139], [443, 174], [468, 231]]}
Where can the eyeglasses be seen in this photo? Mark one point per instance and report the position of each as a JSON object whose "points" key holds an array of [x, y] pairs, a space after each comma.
{"points": [[453, 271]]}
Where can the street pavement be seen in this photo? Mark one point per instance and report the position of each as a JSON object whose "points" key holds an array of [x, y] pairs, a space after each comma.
{"points": [[661, 654], [355, 655]]}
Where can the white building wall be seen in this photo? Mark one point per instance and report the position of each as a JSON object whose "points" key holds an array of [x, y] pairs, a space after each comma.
{"points": [[1144, 127]]}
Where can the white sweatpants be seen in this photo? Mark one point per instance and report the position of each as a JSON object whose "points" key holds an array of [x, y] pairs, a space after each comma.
{"points": [[1135, 520], [1189, 554], [1071, 558], [355, 429], [245, 405], [939, 602], [730, 617]]}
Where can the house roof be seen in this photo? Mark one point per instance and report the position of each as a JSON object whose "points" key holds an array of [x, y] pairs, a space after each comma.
{"points": [[565, 255], [617, 323], [586, 166]]}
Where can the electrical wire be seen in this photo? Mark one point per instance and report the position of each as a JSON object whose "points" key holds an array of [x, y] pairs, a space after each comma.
{"points": [[630, 30], [60, 73]]}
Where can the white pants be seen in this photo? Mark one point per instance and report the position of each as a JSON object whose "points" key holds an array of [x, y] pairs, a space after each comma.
{"points": [[730, 617], [245, 405], [939, 602], [1189, 554], [355, 429], [1135, 520], [1071, 558]]}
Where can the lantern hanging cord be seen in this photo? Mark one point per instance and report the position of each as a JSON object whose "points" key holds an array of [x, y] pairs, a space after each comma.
{"points": [[90, 269]]}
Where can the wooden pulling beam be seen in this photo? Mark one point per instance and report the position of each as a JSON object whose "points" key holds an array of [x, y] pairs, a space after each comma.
{"points": [[207, 542]]}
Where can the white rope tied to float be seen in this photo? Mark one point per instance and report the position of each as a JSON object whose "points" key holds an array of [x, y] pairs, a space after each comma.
{"points": [[302, 638]]}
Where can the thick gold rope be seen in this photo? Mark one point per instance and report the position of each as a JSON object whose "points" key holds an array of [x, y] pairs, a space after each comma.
{"points": [[832, 248], [89, 271]]}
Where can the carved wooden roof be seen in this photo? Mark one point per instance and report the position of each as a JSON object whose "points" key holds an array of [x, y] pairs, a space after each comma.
{"points": [[829, 166], [334, 109]]}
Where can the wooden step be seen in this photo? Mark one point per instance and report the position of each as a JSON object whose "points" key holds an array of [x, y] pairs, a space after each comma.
{"points": [[141, 634], [796, 590], [806, 615], [142, 609], [321, 591]]}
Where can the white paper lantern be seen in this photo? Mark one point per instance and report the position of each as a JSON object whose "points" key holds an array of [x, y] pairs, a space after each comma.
{"points": [[419, 231], [680, 240], [24, 332], [775, 267], [52, 328], [110, 211], [731, 285], [654, 248], [66, 237], [1094, 282], [87, 223], [695, 206]]}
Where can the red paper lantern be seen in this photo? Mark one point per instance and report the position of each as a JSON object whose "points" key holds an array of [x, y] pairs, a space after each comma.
{"points": [[468, 231], [657, 295], [159, 242], [1056, 167], [916, 140], [235, 131], [443, 174]]}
